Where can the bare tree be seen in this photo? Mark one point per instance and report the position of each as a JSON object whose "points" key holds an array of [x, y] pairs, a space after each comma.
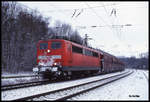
{"points": [[21, 30]]}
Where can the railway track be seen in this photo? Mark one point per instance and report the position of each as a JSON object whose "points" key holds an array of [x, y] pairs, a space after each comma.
{"points": [[69, 92], [27, 84], [23, 76], [23, 85]]}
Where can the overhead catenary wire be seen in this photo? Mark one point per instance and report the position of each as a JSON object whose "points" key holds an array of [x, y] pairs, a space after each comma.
{"points": [[74, 12], [60, 10], [73, 19], [82, 11], [55, 8], [116, 17], [100, 18], [110, 18], [117, 28], [108, 14], [79, 13], [65, 12]]}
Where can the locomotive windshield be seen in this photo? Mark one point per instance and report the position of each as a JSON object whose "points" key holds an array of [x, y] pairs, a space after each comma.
{"points": [[43, 46], [56, 45]]}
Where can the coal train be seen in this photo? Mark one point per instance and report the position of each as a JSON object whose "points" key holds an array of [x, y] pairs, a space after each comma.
{"points": [[59, 58]]}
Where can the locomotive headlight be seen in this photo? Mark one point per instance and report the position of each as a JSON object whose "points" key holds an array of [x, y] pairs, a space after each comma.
{"points": [[48, 51], [55, 63]]}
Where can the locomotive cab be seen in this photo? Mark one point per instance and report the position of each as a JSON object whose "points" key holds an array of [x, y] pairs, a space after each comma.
{"points": [[50, 56]]}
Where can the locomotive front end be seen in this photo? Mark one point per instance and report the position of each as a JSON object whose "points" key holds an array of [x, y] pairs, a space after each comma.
{"points": [[49, 58]]}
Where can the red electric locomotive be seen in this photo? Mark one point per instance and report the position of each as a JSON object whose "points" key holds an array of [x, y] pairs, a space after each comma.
{"points": [[59, 58]]}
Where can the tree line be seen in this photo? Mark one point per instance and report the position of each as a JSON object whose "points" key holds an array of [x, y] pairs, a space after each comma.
{"points": [[21, 29], [136, 63]]}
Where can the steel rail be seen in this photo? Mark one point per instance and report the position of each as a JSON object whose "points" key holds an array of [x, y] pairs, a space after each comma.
{"points": [[75, 86], [22, 85], [23, 76], [80, 92]]}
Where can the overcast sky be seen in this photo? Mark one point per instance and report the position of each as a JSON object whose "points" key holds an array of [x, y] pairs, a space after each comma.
{"points": [[119, 40]]}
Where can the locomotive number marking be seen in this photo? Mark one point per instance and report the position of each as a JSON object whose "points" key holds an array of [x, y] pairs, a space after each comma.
{"points": [[56, 56], [53, 57]]}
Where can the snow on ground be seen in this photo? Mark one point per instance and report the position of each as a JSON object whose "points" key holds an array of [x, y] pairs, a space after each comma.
{"points": [[11, 81], [8, 81], [6, 74], [133, 87], [24, 92]]}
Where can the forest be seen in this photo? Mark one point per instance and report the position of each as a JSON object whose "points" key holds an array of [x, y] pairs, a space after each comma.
{"points": [[137, 63], [21, 30]]}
